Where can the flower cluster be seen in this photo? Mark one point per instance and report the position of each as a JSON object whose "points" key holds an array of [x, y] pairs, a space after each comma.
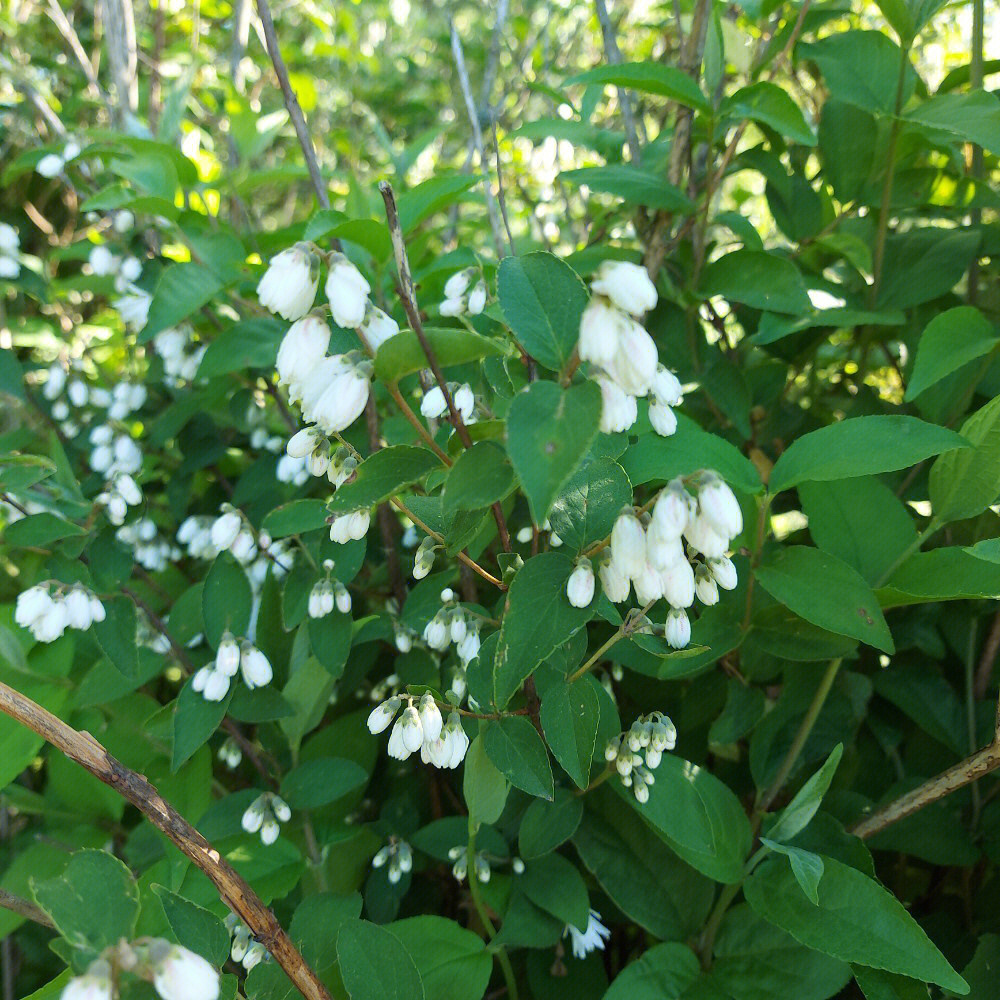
{"points": [[351, 527], [150, 550], [104, 263], [328, 594], [622, 351], [591, 939], [264, 814], [181, 356], [434, 405], [244, 949], [230, 753], [654, 734], [121, 493], [133, 307], [10, 246], [421, 728], [213, 681], [450, 624], [480, 864], [52, 164], [47, 610], [398, 858], [458, 299]]}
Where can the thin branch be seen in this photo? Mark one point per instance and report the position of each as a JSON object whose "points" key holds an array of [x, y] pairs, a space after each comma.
{"points": [[66, 29], [236, 893], [24, 908], [477, 136], [292, 103], [984, 673], [614, 57], [633, 621], [409, 296]]}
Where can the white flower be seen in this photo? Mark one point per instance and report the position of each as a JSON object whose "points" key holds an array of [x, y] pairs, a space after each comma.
{"points": [[720, 507], [50, 165], [614, 582], [302, 348], [9, 267], [666, 387], [661, 551], [97, 612], [433, 404], [378, 327], [71, 150], [382, 715], [634, 364], [350, 527], [130, 269], [225, 529], [134, 308], [243, 547], [342, 598], [456, 285], [647, 584], [342, 403], [430, 718], [124, 220], [347, 291], [592, 939], [678, 628], [78, 608], [256, 952], [310, 390], [678, 584], [627, 285], [436, 633], [128, 489], [280, 808], [671, 510], [724, 572], [255, 667], [705, 587], [288, 287], [580, 586], [628, 544], [468, 648], [618, 409], [32, 604], [601, 327], [216, 686], [95, 984], [663, 419], [465, 401], [52, 624], [170, 343], [127, 454], [102, 260], [10, 242], [253, 818], [477, 299], [183, 975], [55, 381], [703, 538]]}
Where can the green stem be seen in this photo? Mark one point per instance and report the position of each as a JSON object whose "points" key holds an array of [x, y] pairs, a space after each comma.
{"points": [[722, 904], [626, 628], [499, 951], [906, 553]]}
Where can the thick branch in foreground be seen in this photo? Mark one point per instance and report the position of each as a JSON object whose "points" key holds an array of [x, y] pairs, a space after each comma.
{"points": [[962, 774], [134, 788]]}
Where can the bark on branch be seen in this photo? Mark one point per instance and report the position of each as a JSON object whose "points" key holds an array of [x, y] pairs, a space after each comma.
{"points": [[84, 750]]}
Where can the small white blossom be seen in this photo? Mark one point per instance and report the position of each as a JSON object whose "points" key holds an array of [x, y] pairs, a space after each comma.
{"points": [[580, 586], [591, 939], [182, 975], [347, 291], [627, 285], [288, 287]]}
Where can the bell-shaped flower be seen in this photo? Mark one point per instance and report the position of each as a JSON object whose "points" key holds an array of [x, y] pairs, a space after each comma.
{"points": [[288, 287], [627, 285], [347, 291]]}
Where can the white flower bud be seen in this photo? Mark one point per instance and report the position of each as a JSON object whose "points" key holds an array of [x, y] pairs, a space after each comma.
{"points": [[614, 582], [601, 327], [618, 409], [628, 544], [381, 857], [52, 624], [634, 365], [269, 831], [216, 686], [661, 551], [131, 270], [183, 975], [128, 489], [302, 349], [378, 327], [78, 608], [382, 715], [253, 818], [347, 291], [9, 240], [724, 572], [653, 757], [662, 419], [666, 387], [670, 513], [95, 984], [225, 529], [342, 402], [457, 284], [227, 657], [627, 285], [255, 667], [430, 718], [256, 952], [102, 260], [243, 548], [719, 506], [433, 404], [678, 584], [280, 808], [465, 401], [49, 165], [32, 604], [705, 586], [288, 287], [477, 299], [350, 527], [580, 586], [678, 628], [648, 587], [436, 634], [703, 538], [342, 598]]}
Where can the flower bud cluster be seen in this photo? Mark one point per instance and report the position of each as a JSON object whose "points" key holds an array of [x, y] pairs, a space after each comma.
{"points": [[459, 298], [312, 447], [421, 728], [180, 354], [52, 164], [244, 950], [264, 814], [230, 753], [10, 247], [423, 559], [623, 354], [346, 528], [450, 625], [638, 752], [480, 864], [104, 262], [121, 493], [328, 594], [47, 610], [434, 405], [212, 682], [397, 857], [150, 550], [525, 535]]}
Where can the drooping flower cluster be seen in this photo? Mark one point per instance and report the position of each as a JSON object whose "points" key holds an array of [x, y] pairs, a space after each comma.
{"points": [[230, 753], [624, 357], [451, 624], [10, 247], [434, 405], [480, 864], [213, 681], [397, 857], [421, 728], [205, 537], [264, 814], [151, 551], [328, 594], [591, 939], [121, 493], [47, 610], [527, 534], [655, 734], [180, 354], [458, 299], [244, 949], [678, 553]]}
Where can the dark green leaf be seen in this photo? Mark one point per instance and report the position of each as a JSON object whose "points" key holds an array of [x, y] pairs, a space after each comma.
{"points": [[226, 599], [374, 965], [402, 355], [194, 927], [382, 475], [514, 746], [318, 782], [570, 715], [182, 289]]}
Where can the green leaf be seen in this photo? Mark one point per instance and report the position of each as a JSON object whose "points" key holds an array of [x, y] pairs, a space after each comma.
{"points": [[539, 619], [194, 927], [452, 961], [374, 964], [861, 446], [923, 264], [878, 985], [318, 782], [117, 635], [806, 867], [632, 184], [402, 355], [183, 288], [554, 885], [542, 299], [570, 715], [330, 638], [549, 430], [639, 872], [381, 476], [973, 117], [317, 920], [151, 172], [587, 505], [825, 591], [545, 825], [756, 961], [757, 279], [964, 483], [94, 903], [658, 459], [945, 574], [951, 339], [767, 103], [480, 476], [798, 813], [195, 720], [483, 786], [514, 746], [296, 518], [841, 514], [431, 196], [250, 343], [649, 78], [226, 599], [856, 921], [40, 530], [664, 972], [366, 233], [698, 816]]}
